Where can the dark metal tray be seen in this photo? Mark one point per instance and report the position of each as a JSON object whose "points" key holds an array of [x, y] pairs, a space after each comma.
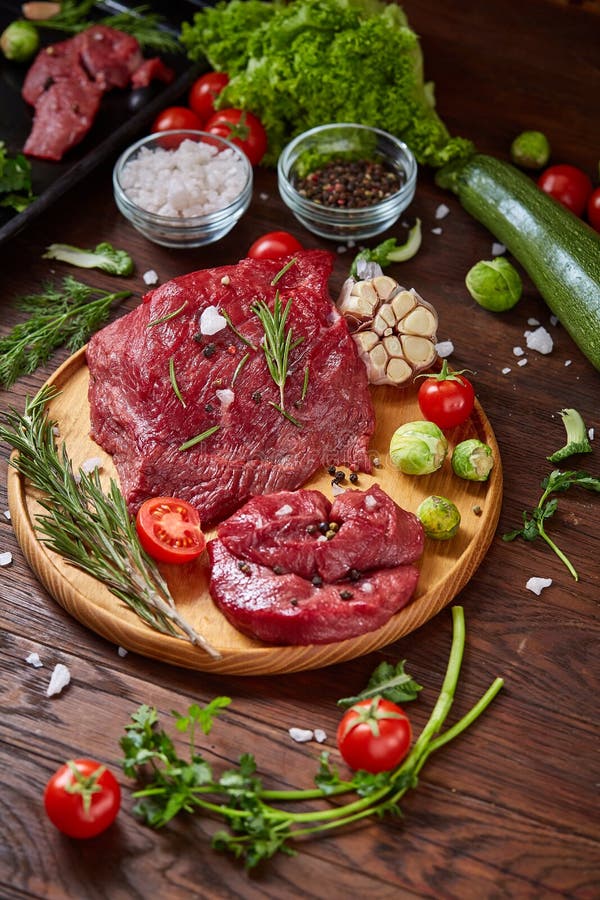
{"points": [[123, 115]]}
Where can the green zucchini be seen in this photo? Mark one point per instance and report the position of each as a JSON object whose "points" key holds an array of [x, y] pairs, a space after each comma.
{"points": [[560, 253]]}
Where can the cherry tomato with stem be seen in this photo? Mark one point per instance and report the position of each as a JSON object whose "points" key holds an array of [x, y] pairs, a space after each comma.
{"points": [[205, 91], [593, 209], [273, 245], [447, 398], [169, 530], [374, 735], [175, 117], [82, 798], [567, 184], [243, 129]]}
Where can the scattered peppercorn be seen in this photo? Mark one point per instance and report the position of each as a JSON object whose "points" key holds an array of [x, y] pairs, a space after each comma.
{"points": [[346, 595], [278, 570], [333, 526], [354, 574], [354, 478], [332, 470], [317, 581], [244, 567], [208, 408], [231, 350], [311, 529], [350, 184], [294, 602], [477, 510], [209, 350], [323, 527], [340, 476], [257, 396]]}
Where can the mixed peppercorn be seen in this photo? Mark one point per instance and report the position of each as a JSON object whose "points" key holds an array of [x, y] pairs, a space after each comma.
{"points": [[349, 184]]}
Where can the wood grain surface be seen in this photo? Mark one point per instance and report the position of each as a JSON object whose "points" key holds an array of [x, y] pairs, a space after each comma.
{"points": [[510, 810]]}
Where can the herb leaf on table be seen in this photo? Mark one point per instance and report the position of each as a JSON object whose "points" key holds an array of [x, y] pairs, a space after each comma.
{"points": [[388, 681]]}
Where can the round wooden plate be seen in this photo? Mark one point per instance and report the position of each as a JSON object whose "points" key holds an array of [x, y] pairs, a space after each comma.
{"points": [[445, 566]]}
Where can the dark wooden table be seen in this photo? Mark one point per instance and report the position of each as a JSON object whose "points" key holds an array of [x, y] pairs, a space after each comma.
{"points": [[511, 809]]}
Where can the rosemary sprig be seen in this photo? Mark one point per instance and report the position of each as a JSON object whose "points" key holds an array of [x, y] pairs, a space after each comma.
{"points": [[140, 21], [167, 316], [173, 380], [239, 367], [59, 316], [199, 438], [237, 333], [277, 344], [92, 530]]}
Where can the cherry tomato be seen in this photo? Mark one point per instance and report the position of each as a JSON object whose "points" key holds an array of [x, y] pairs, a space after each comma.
{"points": [[374, 735], [242, 129], [273, 245], [169, 530], [593, 209], [567, 184], [204, 91], [177, 117], [82, 798], [447, 399]]}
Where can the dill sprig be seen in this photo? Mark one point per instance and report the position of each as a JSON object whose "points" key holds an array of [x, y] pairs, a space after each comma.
{"points": [[277, 345], [60, 316], [90, 529], [145, 25]]}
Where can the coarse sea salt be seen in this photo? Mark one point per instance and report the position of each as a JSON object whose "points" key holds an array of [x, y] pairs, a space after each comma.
{"points": [[59, 680], [301, 735], [539, 340], [5, 558], [33, 659], [150, 277], [193, 180], [442, 211], [284, 510], [444, 349], [211, 321], [7, 514], [537, 585], [506, 370], [225, 396], [437, 230], [498, 249]]}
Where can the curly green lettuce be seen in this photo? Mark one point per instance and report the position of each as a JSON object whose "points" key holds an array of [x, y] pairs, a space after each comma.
{"points": [[308, 62]]}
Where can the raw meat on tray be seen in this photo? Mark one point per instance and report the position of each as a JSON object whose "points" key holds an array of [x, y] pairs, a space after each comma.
{"points": [[198, 416]]}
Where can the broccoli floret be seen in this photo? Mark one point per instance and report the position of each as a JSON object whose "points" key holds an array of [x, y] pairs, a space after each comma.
{"points": [[577, 439], [104, 256]]}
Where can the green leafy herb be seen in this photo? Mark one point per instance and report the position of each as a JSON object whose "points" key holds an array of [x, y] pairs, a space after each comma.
{"points": [[388, 681], [145, 25], [577, 438], [173, 380], [59, 316], [277, 345], [256, 826], [199, 438], [534, 523], [322, 52], [15, 180], [104, 256], [90, 529]]}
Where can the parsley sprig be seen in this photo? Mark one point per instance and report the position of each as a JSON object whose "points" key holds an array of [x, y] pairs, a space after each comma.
{"points": [[534, 522], [64, 315], [256, 828]]}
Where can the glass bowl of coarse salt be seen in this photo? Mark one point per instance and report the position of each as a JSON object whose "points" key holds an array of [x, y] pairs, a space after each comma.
{"points": [[183, 188]]}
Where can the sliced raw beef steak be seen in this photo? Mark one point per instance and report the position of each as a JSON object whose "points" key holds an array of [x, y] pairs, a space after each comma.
{"points": [[277, 577], [159, 381]]}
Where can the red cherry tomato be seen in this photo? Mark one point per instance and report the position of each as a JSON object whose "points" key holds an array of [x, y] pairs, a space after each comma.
{"points": [[273, 245], [177, 117], [82, 798], [446, 399], [242, 129], [593, 209], [567, 184], [204, 91], [374, 735], [169, 530]]}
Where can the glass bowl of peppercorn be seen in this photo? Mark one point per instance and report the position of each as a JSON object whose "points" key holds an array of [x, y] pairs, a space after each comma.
{"points": [[346, 181]]}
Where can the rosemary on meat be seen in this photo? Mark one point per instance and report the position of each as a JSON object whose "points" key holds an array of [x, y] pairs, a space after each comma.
{"points": [[199, 438], [277, 345], [173, 380], [146, 26], [167, 316], [59, 316], [239, 367], [237, 333], [90, 529]]}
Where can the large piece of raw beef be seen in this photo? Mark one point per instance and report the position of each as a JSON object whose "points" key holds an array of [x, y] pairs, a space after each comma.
{"points": [[282, 574], [156, 383]]}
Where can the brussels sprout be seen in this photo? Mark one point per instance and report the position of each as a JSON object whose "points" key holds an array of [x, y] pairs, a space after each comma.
{"points": [[20, 41], [530, 149], [418, 448], [439, 517], [472, 460], [495, 284]]}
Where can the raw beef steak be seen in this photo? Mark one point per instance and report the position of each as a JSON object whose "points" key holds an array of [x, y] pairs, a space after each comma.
{"points": [[157, 383], [277, 577]]}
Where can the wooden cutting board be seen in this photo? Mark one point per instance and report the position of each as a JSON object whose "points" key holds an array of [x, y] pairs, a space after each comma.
{"points": [[446, 566]]}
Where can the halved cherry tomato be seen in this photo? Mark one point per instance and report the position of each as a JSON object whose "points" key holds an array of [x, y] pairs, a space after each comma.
{"points": [[82, 798], [204, 91], [169, 530], [446, 399], [374, 735], [174, 117], [593, 209], [273, 245], [567, 184], [241, 128]]}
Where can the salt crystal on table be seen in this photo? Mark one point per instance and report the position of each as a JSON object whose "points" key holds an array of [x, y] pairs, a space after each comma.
{"points": [[591, 434], [522, 362], [34, 660], [122, 651], [5, 558], [7, 514], [442, 211], [150, 277], [320, 736], [498, 249], [90, 464], [301, 735], [437, 230], [506, 370], [518, 351], [568, 362], [537, 585], [532, 322], [444, 349], [539, 340], [59, 680]]}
